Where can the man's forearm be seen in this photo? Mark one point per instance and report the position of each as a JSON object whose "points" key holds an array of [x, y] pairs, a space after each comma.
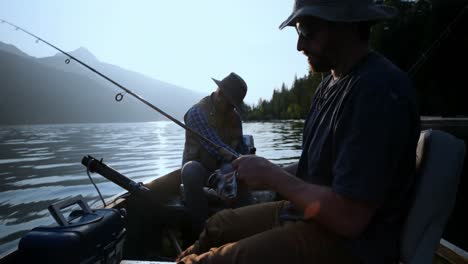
{"points": [[345, 217], [342, 215], [291, 169]]}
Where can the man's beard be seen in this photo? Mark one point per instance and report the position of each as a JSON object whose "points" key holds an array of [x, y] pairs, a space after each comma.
{"points": [[319, 64]]}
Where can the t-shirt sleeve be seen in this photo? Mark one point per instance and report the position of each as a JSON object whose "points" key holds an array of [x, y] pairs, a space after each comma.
{"points": [[370, 138]]}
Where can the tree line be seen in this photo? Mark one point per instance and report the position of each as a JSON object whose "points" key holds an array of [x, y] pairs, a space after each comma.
{"points": [[420, 25]]}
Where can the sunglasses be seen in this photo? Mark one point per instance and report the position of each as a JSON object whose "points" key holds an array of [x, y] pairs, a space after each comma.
{"points": [[306, 30]]}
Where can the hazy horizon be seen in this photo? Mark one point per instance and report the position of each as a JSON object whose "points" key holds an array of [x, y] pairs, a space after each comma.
{"points": [[181, 43]]}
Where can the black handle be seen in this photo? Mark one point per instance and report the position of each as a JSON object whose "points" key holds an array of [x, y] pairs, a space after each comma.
{"points": [[55, 209], [98, 166]]}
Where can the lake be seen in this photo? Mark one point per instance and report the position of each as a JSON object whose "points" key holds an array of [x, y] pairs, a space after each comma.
{"points": [[41, 164]]}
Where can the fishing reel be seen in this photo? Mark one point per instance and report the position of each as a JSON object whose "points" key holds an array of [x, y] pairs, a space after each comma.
{"points": [[224, 185]]}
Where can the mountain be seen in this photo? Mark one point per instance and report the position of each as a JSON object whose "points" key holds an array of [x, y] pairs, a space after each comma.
{"points": [[12, 49], [80, 53], [47, 90]]}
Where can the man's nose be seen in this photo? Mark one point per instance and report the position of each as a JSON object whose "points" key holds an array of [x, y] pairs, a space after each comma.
{"points": [[300, 43]]}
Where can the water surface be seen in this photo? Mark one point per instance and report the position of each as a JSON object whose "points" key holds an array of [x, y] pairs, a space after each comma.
{"points": [[40, 164]]}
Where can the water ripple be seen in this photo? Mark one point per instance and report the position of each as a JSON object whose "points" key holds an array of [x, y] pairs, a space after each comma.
{"points": [[9, 161], [40, 164]]}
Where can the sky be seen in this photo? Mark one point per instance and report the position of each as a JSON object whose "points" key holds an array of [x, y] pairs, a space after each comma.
{"points": [[182, 42]]}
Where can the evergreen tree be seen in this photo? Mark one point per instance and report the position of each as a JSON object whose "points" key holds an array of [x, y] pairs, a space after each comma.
{"points": [[440, 86]]}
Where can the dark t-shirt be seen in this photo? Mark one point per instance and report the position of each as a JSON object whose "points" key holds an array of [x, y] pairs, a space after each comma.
{"points": [[360, 139]]}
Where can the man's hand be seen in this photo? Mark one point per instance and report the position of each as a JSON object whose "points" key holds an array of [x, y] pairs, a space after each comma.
{"points": [[340, 214], [256, 172]]}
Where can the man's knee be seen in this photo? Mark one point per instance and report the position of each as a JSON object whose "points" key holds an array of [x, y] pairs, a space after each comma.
{"points": [[215, 231], [220, 220], [193, 173]]}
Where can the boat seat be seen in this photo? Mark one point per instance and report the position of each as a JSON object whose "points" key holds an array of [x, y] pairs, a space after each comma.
{"points": [[439, 162]]}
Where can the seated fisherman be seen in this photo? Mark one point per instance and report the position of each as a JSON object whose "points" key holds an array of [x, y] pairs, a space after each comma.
{"points": [[348, 198], [215, 117]]}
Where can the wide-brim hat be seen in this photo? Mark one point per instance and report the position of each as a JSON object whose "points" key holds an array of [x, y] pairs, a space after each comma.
{"points": [[340, 11], [233, 88]]}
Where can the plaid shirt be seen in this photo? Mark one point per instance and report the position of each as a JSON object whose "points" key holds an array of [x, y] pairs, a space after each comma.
{"points": [[197, 121]]}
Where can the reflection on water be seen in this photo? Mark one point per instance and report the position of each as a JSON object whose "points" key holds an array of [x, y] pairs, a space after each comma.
{"points": [[40, 164]]}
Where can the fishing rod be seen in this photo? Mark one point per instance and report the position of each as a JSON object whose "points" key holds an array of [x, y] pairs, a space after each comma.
{"points": [[444, 35], [119, 96]]}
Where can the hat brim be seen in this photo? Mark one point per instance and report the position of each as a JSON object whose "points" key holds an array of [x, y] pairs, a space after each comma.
{"points": [[373, 12], [218, 83], [230, 99]]}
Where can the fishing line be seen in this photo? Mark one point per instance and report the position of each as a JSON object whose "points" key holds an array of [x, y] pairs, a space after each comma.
{"points": [[95, 186], [119, 96], [444, 35]]}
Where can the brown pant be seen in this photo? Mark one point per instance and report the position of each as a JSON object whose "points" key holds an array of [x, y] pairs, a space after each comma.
{"points": [[254, 234]]}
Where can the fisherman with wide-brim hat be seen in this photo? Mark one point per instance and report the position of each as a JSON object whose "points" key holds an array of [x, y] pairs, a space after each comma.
{"points": [[345, 198], [216, 118]]}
